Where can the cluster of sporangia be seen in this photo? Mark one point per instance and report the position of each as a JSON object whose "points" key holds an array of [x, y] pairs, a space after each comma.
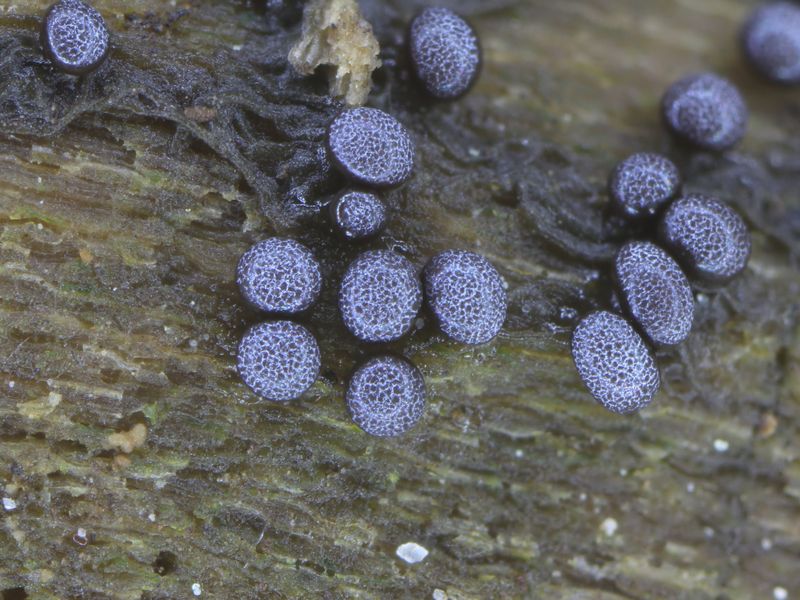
{"points": [[381, 292], [699, 233]]}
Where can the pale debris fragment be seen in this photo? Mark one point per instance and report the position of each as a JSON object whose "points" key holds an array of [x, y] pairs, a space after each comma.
{"points": [[9, 504], [336, 35], [196, 589], [412, 552], [780, 593], [128, 441]]}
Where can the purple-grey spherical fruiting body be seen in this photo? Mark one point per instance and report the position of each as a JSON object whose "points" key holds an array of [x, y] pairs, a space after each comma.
{"points": [[642, 183], [75, 37], [386, 396], [358, 215], [708, 237], [705, 110], [380, 296], [655, 292], [466, 295], [279, 275], [278, 360], [445, 52], [371, 147], [614, 363], [771, 41]]}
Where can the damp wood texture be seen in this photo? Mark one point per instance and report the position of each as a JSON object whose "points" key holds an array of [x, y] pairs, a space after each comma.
{"points": [[134, 463]]}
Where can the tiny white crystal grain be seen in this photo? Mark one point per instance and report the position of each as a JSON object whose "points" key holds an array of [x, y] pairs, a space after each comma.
{"points": [[196, 589], [439, 594], [721, 445], [780, 593], [80, 537], [412, 552], [609, 526], [9, 504]]}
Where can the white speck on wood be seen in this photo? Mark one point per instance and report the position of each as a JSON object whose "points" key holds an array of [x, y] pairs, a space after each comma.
{"points": [[412, 552], [609, 526]]}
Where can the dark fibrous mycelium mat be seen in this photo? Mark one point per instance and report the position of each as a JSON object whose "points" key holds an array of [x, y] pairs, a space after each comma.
{"points": [[127, 197]]}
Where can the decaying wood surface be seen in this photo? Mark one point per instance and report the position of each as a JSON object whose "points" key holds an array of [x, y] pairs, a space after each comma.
{"points": [[133, 462]]}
